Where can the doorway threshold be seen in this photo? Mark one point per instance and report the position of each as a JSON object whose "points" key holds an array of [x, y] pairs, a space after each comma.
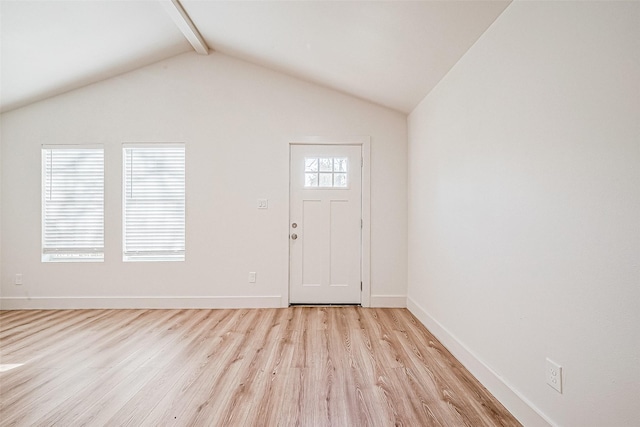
{"points": [[325, 305]]}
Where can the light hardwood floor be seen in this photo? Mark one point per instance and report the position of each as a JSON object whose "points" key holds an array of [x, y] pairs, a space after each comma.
{"points": [[300, 366]]}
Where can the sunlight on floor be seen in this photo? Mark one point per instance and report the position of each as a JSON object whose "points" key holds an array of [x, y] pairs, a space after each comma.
{"points": [[9, 366]]}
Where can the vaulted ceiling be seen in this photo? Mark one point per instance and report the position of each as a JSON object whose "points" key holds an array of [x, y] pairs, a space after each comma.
{"points": [[388, 52]]}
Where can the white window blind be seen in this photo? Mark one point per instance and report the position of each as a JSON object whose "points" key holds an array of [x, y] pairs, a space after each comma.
{"points": [[72, 203], [154, 202]]}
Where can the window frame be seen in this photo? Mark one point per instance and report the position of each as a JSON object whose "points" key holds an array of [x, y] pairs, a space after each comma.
{"points": [[319, 173], [71, 253], [165, 255]]}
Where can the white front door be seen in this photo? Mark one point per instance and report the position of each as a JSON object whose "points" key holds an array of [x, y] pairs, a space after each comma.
{"points": [[325, 224]]}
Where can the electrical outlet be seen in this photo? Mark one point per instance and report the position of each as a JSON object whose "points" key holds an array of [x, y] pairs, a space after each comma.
{"points": [[252, 277], [553, 375], [18, 279], [263, 204]]}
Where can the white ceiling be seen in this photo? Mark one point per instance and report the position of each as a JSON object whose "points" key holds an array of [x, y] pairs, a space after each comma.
{"points": [[389, 52]]}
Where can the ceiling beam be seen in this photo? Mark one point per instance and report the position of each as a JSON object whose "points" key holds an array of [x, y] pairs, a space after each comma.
{"points": [[184, 23]]}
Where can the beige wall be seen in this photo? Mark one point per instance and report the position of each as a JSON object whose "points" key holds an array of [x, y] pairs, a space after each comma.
{"points": [[237, 120], [524, 210]]}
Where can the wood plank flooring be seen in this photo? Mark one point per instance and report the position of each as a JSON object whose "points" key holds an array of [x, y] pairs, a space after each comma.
{"points": [[299, 366]]}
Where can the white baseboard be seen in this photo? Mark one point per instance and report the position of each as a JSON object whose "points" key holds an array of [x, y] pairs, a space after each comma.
{"points": [[391, 301], [60, 303], [521, 408]]}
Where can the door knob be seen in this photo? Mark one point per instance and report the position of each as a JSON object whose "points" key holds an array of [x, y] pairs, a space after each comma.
{"points": [[294, 236]]}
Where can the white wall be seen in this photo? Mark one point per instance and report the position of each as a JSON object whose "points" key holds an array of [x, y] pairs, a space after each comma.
{"points": [[237, 120], [524, 210], [0, 207]]}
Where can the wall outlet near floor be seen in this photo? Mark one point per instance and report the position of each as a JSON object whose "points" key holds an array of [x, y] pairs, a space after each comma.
{"points": [[553, 375], [18, 279], [252, 277]]}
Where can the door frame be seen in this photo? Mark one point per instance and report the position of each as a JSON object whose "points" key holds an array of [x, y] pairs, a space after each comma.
{"points": [[364, 141]]}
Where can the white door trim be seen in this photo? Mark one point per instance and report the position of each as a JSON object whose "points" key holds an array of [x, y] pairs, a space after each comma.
{"points": [[365, 142]]}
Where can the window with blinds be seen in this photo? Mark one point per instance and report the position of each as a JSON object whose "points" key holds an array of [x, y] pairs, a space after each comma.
{"points": [[72, 203], [154, 202]]}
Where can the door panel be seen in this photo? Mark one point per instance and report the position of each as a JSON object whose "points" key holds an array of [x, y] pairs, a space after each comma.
{"points": [[325, 206], [310, 240], [344, 240]]}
